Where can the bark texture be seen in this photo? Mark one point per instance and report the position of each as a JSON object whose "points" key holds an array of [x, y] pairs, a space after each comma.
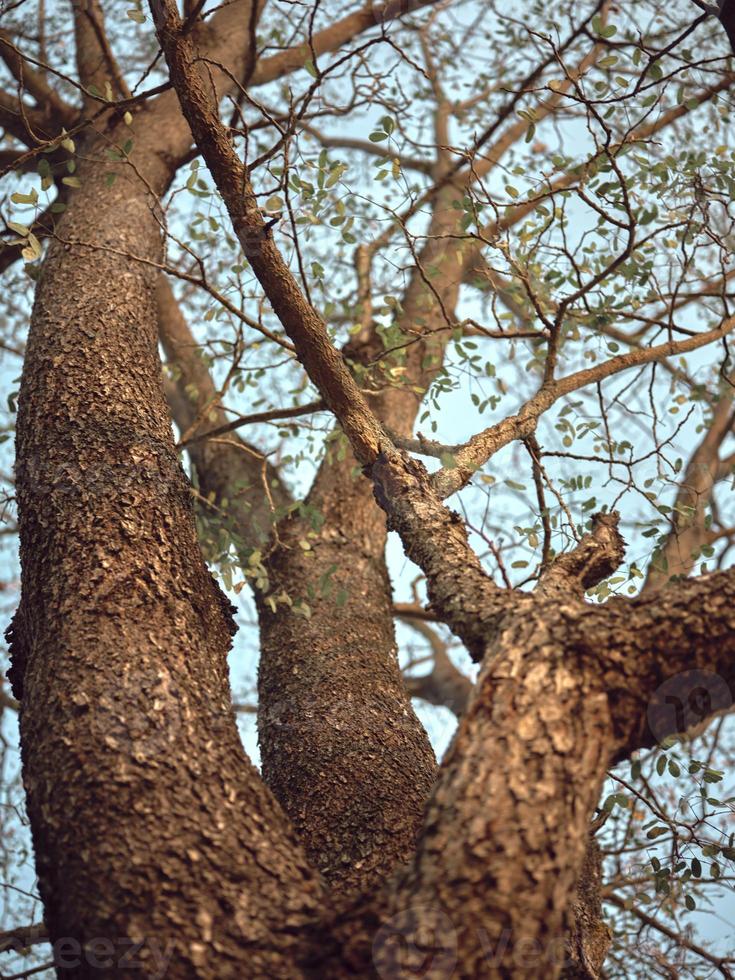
{"points": [[180, 859], [373, 758], [460, 860], [341, 745], [119, 647]]}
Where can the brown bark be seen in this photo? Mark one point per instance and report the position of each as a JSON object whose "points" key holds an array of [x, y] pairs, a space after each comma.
{"points": [[92, 66], [341, 745], [119, 590], [119, 646], [294, 756], [590, 937], [541, 718], [509, 865], [355, 787], [339, 717], [244, 487]]}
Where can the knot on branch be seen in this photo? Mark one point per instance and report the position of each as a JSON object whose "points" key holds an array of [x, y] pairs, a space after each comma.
{"points": [[596, 556]]}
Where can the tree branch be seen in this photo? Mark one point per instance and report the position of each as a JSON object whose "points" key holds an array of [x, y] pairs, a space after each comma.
{"points": [[597, 556], [334, 37], [33, 82], [688, 532], [479, 449], [23, 937], [231, 470]]}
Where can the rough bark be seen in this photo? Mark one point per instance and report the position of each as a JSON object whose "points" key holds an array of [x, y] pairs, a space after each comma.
{"points": [[341, 745], [119, 645], [471, 604], [120, 591], [303, 768], [119, 648], [245, 488], [94, 66], [355, 787], [589, 939]]}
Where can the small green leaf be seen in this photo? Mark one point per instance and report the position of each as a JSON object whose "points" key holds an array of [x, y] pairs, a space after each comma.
{"points": [[19, 198]]}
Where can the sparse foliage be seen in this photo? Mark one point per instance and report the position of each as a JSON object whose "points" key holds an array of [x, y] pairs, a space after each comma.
{"points": [[399, 258]]}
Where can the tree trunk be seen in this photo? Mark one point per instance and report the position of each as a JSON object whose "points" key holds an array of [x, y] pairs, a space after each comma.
{"points": [[341, 745], [119, 647]]}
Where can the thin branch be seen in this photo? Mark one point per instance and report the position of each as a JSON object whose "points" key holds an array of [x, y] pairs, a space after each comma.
{"points": [[478, 450], [720, 962], [270, 416]]}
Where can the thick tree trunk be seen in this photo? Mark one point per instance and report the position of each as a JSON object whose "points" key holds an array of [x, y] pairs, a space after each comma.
{"points": [[530, 754], [119, 647], [341, 745]]}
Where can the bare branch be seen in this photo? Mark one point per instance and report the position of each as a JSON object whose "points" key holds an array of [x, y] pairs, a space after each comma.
{"points": [[23, 937], [33, 82], [271, 416]]}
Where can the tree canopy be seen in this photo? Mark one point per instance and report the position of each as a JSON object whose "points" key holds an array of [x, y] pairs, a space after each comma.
{"points": [[451, 278]]}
